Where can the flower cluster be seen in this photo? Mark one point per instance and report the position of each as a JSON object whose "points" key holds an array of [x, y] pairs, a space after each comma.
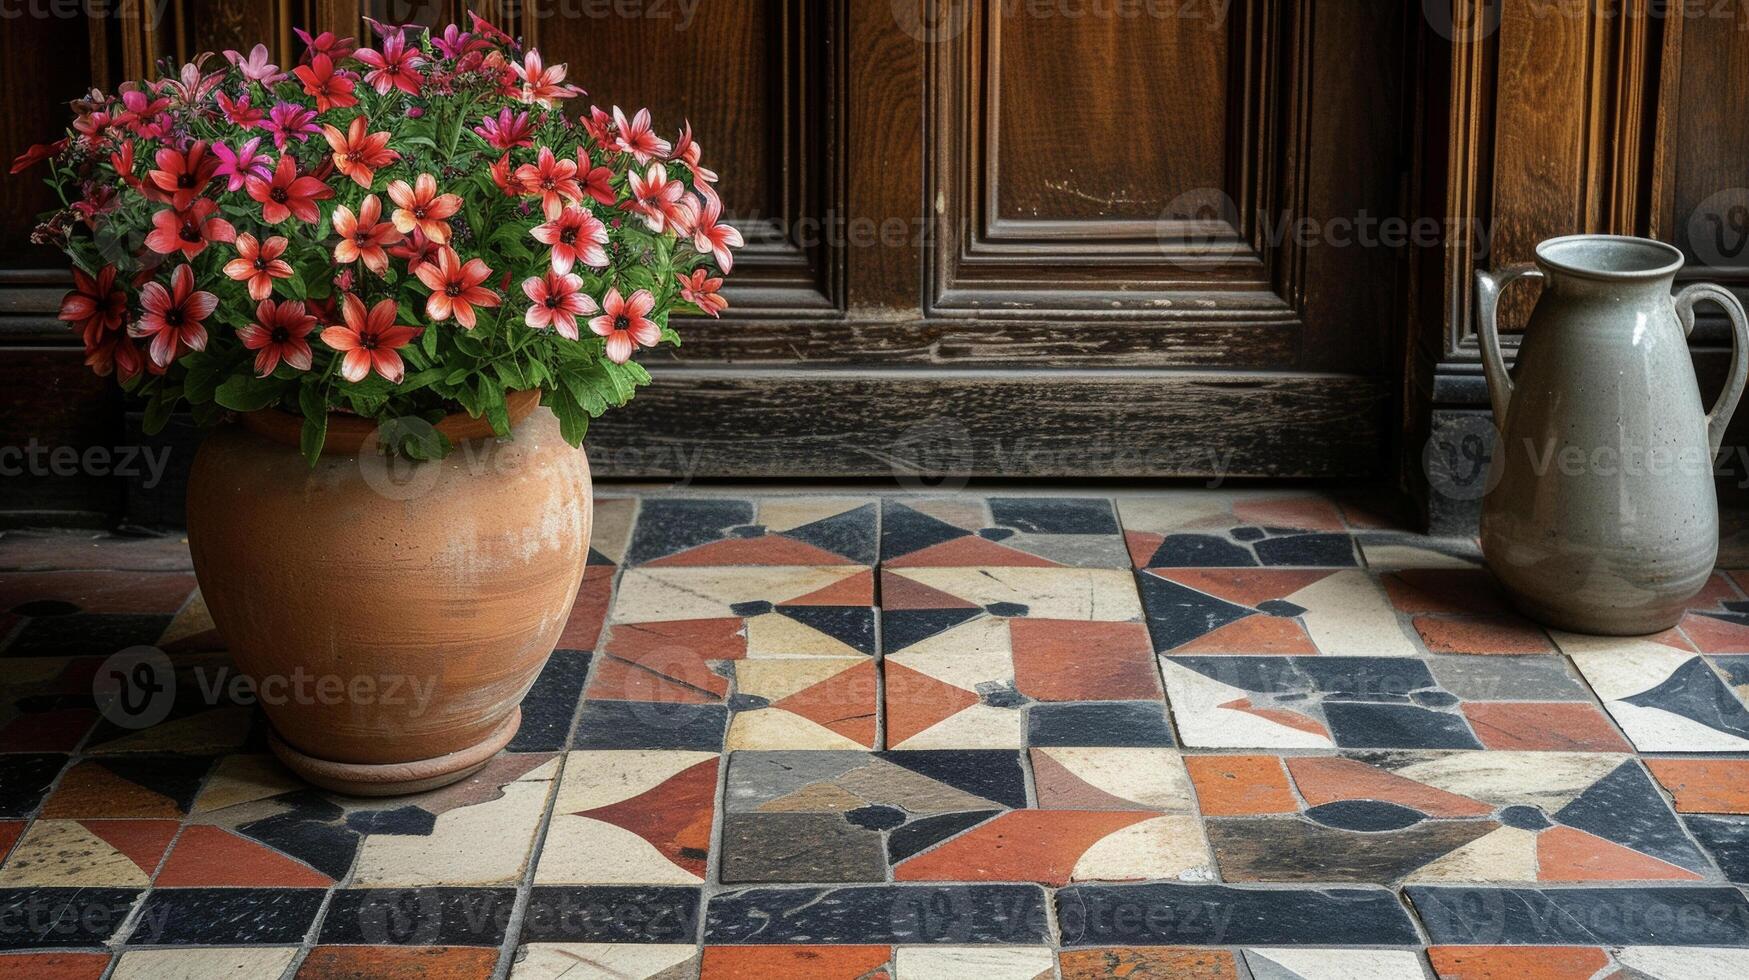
{"points": [[391, 232]]}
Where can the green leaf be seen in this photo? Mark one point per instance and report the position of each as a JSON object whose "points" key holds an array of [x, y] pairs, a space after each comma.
{"points": [[573, 420], [313, 401], [492, 404], [158, 412], [247, 393]]}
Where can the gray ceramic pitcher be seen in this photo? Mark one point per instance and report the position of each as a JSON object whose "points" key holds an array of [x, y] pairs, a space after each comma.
{"points": [[1603, 517]]}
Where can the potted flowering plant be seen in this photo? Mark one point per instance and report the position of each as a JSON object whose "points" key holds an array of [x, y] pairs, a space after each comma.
{"points": [[406, 250]]}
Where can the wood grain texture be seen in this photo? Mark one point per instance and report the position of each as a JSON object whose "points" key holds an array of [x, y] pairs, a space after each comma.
{"points": [[883, 65], [819, 423], [46, 65]]}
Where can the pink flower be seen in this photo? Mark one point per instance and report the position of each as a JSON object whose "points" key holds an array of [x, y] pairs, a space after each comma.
{"points": [[182, 176], [416, 249], [364, 235], [687, 151], [396, 66], [258, 264], [455, 42], [506, 131], [596, 182], [540, 85], [326, 43], [287, 194], [142, 114], [279, 333], [556, 300], [289, 121], [421, 207], [370, 340], [189, 230], [172, 317], [256, 67], [455, 287], [95, 306], [555, 180], [637, 138], [659, 200], [357, 154], [575, 235], [238, 166], [713, 238], [625, 324], [240, 112], [190, 86], [599, 125], [700, 290]]}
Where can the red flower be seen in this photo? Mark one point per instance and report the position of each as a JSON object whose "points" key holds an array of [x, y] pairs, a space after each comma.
{"points": [[188, 230], [369, 341], [713, 238], [541, 85], [182, 176], [240, 112], [626, 324], [330, 89], [326, 43], [416, 249], [507, 179], [555, 180], [141, 114], [687, 151], [362, 236], [597, 182], [95, 306], [37, 153], [258, 264], [114, 354], [599, 125], [455, 287], [556, 300], [637, 138], [575, 235], [278, 334], [288, 194], [396, 66], [421, 207], [701, 291], [660, 201], [172, 317], [506, 131], [358, 155]]}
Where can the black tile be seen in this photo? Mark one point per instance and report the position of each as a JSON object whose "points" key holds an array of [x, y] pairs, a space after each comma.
{"points": [[1099, 723], [775, 848], [1632, 916], [1727, 840], [226, 916], [418, 917], [1178, 614], [899, 914], [850, 534], [904, 530], [1625, 807], [86, 634], [32, 918], [610, 914], [1055, 515], [1200, 551], [667, 527], [651, 725], [1307, 551], [25, 778], [1396, 726], [993, 774], [551, 704], [1222, 915]]}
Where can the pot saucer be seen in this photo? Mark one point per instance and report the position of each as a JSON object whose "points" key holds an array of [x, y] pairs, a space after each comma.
{"points": [[397, 778]]}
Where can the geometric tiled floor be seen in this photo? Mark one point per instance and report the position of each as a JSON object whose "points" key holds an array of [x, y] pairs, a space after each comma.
{"points": [[1187, 734]]}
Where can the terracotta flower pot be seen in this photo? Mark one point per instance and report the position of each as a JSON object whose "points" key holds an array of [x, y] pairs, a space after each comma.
{"points": [[392, 614]]}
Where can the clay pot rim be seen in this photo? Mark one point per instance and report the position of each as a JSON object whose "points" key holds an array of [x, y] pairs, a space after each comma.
{"points": [[348, 434]]}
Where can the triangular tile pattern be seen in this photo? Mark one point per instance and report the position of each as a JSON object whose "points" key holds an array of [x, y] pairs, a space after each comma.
{"points": [[1236, 530]]}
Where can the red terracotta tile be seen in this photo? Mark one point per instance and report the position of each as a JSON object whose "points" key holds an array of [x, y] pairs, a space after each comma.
{"points": [[1565, 854], [915, 701], [10, 831], [398, 963], [89, 790], [99, 591], [589, 612], [668, 661], [899, 592], [1246, 586], [969, 552], [1713, 635], [1517, 962], [1324, 779], [1281, 716], [1240, 785], [854, 590], [1020, 845], [1147, 963], [1303, 513], [1557, 726], [771, 549], [1142, 545], [675, 817], [53, 966], [215, 857], [59, 730], [1057, 660], [1482, 634], [1254, 635], [1446, 590], [141, 841], [814, 962], [616, 680], [847, 703], [1705, 785]]}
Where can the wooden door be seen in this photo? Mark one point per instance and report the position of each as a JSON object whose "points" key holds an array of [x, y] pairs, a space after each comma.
{"points": [[1017, 238]]}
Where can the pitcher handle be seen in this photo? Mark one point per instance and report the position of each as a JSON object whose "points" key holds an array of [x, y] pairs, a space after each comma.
{"points": [[1489, 285], [1720, 416]]}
